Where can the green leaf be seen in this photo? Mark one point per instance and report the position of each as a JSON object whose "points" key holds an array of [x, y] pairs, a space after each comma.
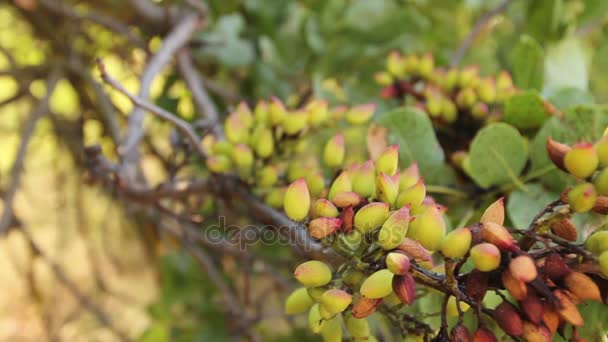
{"points": [[525, 110], [413, 131], [523, 204], [579, 123], [543, 18], [564, 98], [224, 42], [527, 60], [497, 155]]}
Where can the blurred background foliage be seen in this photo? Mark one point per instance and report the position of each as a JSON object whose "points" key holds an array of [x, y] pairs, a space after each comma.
{"points": [[249, 49]]}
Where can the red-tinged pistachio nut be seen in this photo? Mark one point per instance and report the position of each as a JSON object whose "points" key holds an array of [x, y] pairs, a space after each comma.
{"points": [[485, 257], [383, 78], [388, 161], [550, 318], [409, 176], [476, 285], [218, 164], [452, 307], [315, 182], [601, 147], [394, 229], [555, 267], [386, 188], [348, 220], [315, 321], [364, 180], [398, 263], [298, 302], [508, 318], [415, 250], [236, 129], [365, 307], [313, 273], [268, 176], [460, 333], [484, 335], [536, 333], [523, 268], [297, 200], [395, 64], [498, 235], [347, 199], [414, 195], [504, 81], [316, 292], [324, 208], [567, 309], [565, 229], [582, 197], [377, 285], [428, 228], [322, 227], [457, 243], [332, 330], [358, 327], [341, 184], [426, 65], [532, 307], [371, 216], [582, 160], [360, 114], [516, 288], [466, 98], [487, 90], [336, 300], [495, 213], [405, 288], [601, 205], [333, 154], [557, 152], [582, 286]]}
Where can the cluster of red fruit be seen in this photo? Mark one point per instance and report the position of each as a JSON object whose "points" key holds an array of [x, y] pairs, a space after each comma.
{"points": [[444, 94]]}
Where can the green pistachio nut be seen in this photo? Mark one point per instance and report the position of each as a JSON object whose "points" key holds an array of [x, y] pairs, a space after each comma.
{"points": [[297, 200], [298, 302], [457, 243], [324, 208], [336, 300], [364, 182], [394, 229], [582, 197], [333, 154], [428, 228], [485, 257], [313, 273], [360, 114], [371, 216], [582, 160], [342, 183], [388, 161], [377, 285]]}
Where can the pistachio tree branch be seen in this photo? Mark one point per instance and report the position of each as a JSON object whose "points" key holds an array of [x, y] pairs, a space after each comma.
{"points": [[26, 135], [182, 125]]}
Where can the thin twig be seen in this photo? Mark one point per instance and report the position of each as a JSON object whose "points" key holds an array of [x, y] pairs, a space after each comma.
{"points": [[26, 135], [182, 125], [479, 25], [195, 82], [177, 38]]}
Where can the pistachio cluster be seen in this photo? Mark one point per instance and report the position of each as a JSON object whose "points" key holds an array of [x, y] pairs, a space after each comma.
{"points": [[588, 162], [445, 94], [271, 145]]}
